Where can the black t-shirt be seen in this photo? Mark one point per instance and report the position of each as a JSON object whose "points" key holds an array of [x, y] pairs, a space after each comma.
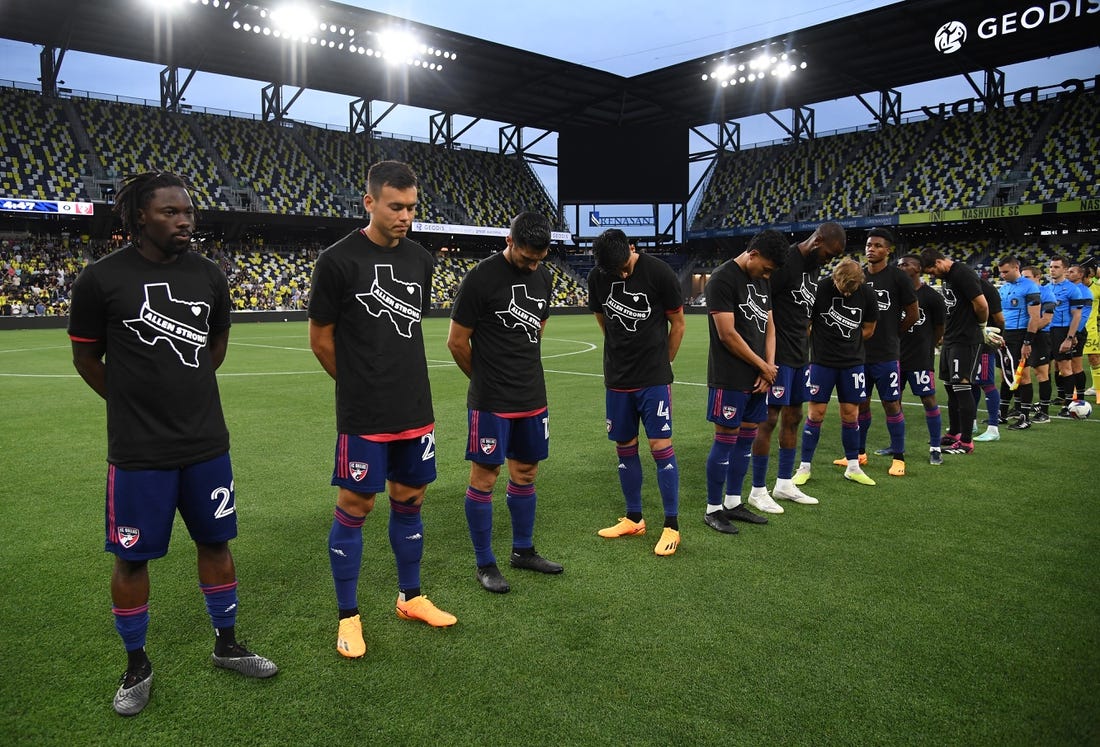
{"points": [[506, 308], [635, 313], [837, 321], [376, 296], [793, 287], [731, 290], [894, 291], [960, 287], [163, 407], [918, 345]]}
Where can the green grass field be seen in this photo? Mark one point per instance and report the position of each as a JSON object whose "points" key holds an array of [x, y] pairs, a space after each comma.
{"points": [[957, 605]]}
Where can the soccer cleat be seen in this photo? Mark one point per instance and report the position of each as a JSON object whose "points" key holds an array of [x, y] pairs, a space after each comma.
{"points": [[761, 501], [717, 521], [801, 476], [421, 608], [133, 691], [960, 447], [1090, 392], [349, 640], [532, 561], [491, 579], [741, 512], [858, 476], [793, 494], [670, 540], [843, 462], [1020, 425], [949, 439], [624, 528], [879, 452], [990, 435], [935, 458], [897, 468], [240, 659], [1064, 413], [1040, 417]]}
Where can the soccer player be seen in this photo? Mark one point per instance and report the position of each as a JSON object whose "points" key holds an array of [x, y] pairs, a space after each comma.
{"points": [[1021, 303], [985, 380], [845, 315], [495, 337], [740, 368], [638, 305], [793, 288], [370, 290], [149, 326], [897, 313], [918, 353], [1076, 275], [1063, 328], [1041, 350], [1091, 347], [964, 335]]}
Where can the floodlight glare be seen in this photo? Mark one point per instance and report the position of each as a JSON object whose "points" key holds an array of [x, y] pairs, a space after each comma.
{"points": [[397, 45], [288, 17]]}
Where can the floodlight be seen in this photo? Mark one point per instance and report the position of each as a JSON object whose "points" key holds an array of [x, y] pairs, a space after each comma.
{"points": [[288, 17]]}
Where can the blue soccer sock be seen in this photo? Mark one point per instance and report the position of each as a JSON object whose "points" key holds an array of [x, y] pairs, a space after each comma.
{"points": [[849, 437], [132, 625], [992, 403], [345, 555], [786, 464], [864, 429], [760, 470], [521, 507], [934, 421], [668, 480], [406, 531], [630, 477], [717, 465], [811, 434], [479, 518], [221, 603], [895, 426], [739, 461]]}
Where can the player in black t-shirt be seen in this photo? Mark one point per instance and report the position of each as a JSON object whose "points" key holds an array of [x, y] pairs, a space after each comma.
{"points": [[897, 310], [740, 369], [964, 334], [496, 339], [845, 314], [985, 380], [369, 293], [793, 288], [149, 326], [638, 304]]}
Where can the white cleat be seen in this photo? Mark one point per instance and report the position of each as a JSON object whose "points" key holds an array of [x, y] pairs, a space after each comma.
{"points": [[794, 494], [763, 502]]}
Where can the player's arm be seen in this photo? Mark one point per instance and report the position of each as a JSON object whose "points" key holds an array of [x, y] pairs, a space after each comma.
{"points": [[732, 340], [981, 307], [88, 361], [458, 342], [599, 321], [867, 329], [218, 344], [909, 317], [676, 327], [322, 340]]}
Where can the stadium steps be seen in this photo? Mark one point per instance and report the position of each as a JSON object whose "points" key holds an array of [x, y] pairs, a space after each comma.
{"points": [[224, 172], [922, 147], [80, 136]]}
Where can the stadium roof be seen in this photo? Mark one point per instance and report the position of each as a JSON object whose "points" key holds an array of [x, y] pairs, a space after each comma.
{"points": [[877, 50]]}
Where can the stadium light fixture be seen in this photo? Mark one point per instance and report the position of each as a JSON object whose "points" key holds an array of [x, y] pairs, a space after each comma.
{"points": [[762, 63]]}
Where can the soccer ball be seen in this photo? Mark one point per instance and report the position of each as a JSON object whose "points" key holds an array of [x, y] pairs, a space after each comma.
{"points": [[1079, 409]]}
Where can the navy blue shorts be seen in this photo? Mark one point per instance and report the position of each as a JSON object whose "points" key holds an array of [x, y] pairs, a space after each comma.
{"points": [[850, 384], [886, 378], [141, 506], [987, 368], [364, 466], [789, 387], [730, 408], [921, 383], [494, 437], [653, 405]]}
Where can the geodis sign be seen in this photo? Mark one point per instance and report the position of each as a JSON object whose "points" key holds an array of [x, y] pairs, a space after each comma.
{"points": [[953, 35]]}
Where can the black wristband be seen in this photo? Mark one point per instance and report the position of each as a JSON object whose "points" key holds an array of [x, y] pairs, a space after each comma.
{"points": [[1027, 341]]}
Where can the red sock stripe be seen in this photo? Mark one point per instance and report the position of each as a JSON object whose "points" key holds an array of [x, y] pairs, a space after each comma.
{"points": [[479, 495], [215, 588], [664, 453], [131, 612], [403, 508], [627, 451], [725, 438], [521, 490], [899, 418], [343, 517]]}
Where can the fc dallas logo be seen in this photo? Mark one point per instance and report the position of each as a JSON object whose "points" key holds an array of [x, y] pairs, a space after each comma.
{"points": [[128, 536], [488, 445], [358, 470]]}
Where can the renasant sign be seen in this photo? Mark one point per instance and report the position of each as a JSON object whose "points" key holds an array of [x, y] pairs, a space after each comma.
{"points": [[952, 35]]}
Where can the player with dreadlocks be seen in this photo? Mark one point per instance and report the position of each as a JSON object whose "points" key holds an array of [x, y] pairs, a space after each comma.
{"points": [[155, 317]]}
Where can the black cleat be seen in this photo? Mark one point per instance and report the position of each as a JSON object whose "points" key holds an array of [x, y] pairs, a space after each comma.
{"points": [[240, 659], [1040, 417], [883, 452], [532, 561], [935, 458], [741, 512], [719, 523], [1020, 425], [491, 579]]}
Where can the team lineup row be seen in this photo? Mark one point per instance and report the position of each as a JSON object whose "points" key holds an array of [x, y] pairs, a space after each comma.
{"points": [[150, 322]]}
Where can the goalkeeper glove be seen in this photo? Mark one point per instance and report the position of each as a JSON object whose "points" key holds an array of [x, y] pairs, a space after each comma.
{"points": [[992, 336]]}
